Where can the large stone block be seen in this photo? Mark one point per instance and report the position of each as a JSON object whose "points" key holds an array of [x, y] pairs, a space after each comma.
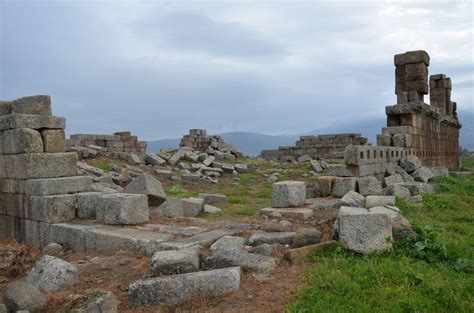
{"points": [[86, 204], [192, 206], [288, 194], [34, 105], [174, 262], [22, 140], [55, 186], [31, 121], [341, 186], [51, 274], [38, 165], [72, 236], [51, 209], [369, 186], [122, 208], [12, 204], [176, 289], [150, 186], [323, 186], [364, 232], [53, 140]]}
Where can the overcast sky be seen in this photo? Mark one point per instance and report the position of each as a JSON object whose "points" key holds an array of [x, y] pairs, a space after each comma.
{"points": [[158, 68]]}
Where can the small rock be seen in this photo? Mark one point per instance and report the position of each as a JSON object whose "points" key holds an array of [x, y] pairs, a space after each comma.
{"points": [[52, 249], [211, 209]]}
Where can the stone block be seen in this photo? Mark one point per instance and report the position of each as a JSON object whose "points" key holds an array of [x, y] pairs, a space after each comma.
{"points": [[373, 201], [229, 243], [205, 239], [174, 262], [38, 165], [288, 194], [34, 105], [369, 186], [192, 206], [86, 204], [21, 295], [284, 238], [72, 236], [122, 208], [61, 185], [353, 199], [365, 232], [249, 262], [393, 179], [51, 274], [13, 121], [292, 213], [402, 140], [12, 204], [210, 198], [176, 289], [51, 209], [410, 163], [53, 140], [418, 187], [323, 186], [22, 140], [341, 186], [384, 140], [153, 159], [397, 191], [338, 170], [150, 186], [423, 174]]}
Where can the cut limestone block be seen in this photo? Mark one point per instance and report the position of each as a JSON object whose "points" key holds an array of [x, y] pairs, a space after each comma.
{"points": [[176, 289], [53, 186], [34, 105], [53, 140], [295, 213], [288, 194], [86, 204], [122, 208], [150, 186], [22, 140], [38, 165], [192, 206], [373, 201], [353, 199], [365, 232], [284, 238], [13, 121], [210, 198], [369, 186], [222, 258], [393, 179], [51, 209], [323, 186], [174, 262], [51, 274], [341, 186]]}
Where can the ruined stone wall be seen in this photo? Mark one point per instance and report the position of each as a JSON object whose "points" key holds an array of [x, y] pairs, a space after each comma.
{"points": [[198, 140], [34, 170], [118, 142], [431, 132], [322, 146]]}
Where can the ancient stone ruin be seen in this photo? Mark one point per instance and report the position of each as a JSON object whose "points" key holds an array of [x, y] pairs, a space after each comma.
{"points": [[316, 147], [120, 143], [198, 140]]}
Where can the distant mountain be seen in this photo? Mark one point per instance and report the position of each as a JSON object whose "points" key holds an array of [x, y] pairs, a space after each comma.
{"points": [[254, 143]]}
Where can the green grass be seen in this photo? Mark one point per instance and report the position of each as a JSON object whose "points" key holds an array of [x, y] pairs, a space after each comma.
{"points": [[101, 166], [433, 275], [467, 161]]}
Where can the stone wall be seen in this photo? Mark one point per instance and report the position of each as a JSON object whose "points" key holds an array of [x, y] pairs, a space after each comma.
{"points": [[322, 146], [431, 132], [35, 172], [198, 140], [118, 142]]}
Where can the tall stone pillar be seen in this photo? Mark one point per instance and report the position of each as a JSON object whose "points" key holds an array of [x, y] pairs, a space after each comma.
{"points": [[411, 76], [440, 94]]}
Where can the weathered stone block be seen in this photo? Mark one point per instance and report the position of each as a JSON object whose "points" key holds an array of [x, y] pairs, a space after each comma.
{"points": [[31, 121], [369, 186], [174, 262], [288, 194], [24, 296], [51, 274], [353, 199], [293, 213], [150, 186], [51, 209], [323, 186], [210, 198], [284, 238], [342, 186], [423, 174], [34, 105], [192, 206], [122, 208], [61, 185], [86, 204], [176, 289], [53, 140], [373, 201], [38, 165], [22, 140]]}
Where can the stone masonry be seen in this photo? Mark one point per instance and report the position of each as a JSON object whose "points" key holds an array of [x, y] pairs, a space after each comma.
{"points": [[197, 139], [322, 147], [39, 185], [118, 142], [431, 132]]}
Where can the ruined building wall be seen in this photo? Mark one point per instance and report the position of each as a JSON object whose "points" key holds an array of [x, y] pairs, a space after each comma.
{"points": [[322, 146], [118, 142], [431, 132], [198, 140]]}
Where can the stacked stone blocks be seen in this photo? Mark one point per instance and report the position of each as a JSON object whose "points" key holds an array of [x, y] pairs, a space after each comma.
{"points": [[317, 147], [197, 139], [119, 142]]}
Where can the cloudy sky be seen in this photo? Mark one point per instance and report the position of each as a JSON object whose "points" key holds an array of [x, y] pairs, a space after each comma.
{"points": [[158, 68]]}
